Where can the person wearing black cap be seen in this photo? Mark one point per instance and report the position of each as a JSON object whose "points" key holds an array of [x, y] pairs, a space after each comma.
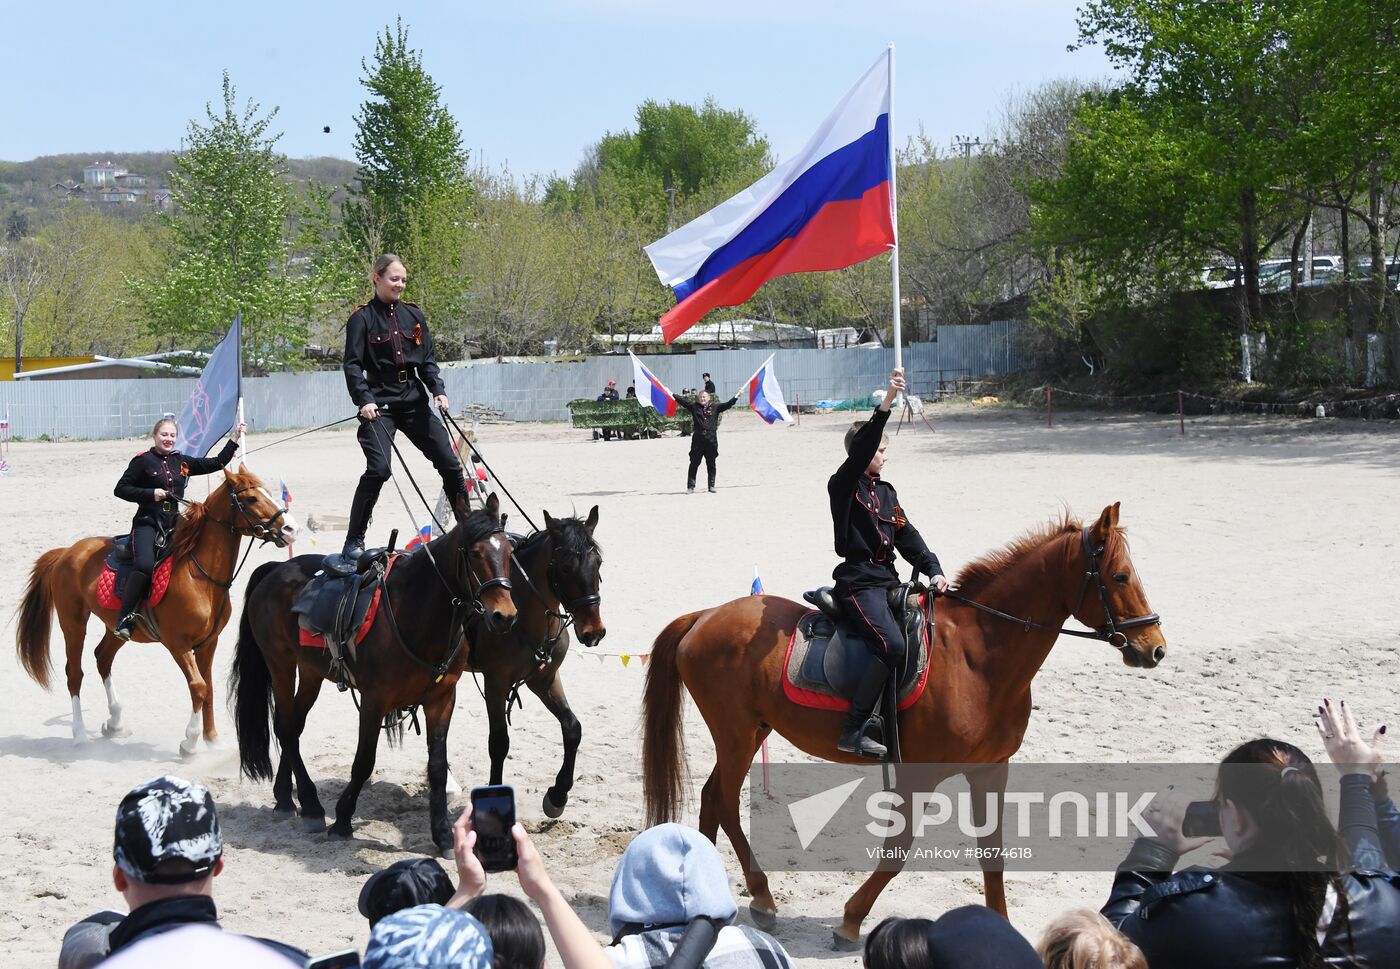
{"points": [[391, 370], [704, 439], [168, 850], [404, 884], [975, 937], [870, 526]]}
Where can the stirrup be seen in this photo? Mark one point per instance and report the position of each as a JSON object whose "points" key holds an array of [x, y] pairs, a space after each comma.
{"points": [[126, 626]]}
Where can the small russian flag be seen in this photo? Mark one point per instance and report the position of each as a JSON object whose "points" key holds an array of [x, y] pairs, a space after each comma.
{"points": [[5, 421], [424, 536], [286, 494], [757, 588]]}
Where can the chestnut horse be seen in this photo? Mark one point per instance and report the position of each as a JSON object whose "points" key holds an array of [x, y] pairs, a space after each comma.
{"points": [[974, 710], [557, 576], [189, 618], [412, 656]]}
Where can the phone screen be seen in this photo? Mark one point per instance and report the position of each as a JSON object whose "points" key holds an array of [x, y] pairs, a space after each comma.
{"points": [[493, 815], [348, 959]]}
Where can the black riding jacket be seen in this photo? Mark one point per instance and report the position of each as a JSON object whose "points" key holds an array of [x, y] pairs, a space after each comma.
{"points": [[705, 418], [149, 471], [1203, 919], [868, 522], [388, 350]]}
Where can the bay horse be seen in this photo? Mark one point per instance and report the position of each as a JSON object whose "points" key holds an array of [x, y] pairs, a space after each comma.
{"points": [[412, 655], [557, 575], [975, 709], [189, 618]]}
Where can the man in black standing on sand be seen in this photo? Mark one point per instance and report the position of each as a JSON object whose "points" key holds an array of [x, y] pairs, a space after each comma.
{"points": [[709, 384], [704, 438]]}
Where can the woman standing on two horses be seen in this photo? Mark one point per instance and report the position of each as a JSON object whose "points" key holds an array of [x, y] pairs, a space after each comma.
{"points": [[869, 526], [154, 480], [390, 370]]}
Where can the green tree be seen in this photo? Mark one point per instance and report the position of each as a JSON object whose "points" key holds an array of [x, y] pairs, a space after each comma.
{"points": [[409, 149], [231, 242]]}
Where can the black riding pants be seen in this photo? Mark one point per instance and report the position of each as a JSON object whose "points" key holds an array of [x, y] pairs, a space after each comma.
{"points": [[425, 432], [870, 618], [143, 563], [700, 448]]}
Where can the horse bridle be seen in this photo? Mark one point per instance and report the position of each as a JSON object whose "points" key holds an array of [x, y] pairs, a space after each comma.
{"points": [[1111, 632], [263, 530], [482, 587]]}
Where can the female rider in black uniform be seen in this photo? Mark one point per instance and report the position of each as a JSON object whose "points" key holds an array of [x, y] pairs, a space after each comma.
{"points": [[390, 370], [154, 479]]}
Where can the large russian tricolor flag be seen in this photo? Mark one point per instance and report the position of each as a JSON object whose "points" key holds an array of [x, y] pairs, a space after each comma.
{"points": [[827, 208], [650, 391]]}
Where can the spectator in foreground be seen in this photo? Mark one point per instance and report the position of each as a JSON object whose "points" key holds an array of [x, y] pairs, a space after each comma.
{"points": [[576, 946], [168, 850], [404, 884], [515, 933], [203, 946], [671, 877], [1084, 939], [428, 937], [897, 943], [1282, 900], [975, 937], [1368, 819]]}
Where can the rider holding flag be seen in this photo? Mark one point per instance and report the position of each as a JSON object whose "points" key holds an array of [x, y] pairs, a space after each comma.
{"points": [[870, 525]]}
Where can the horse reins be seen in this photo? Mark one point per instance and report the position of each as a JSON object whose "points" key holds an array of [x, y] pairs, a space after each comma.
{"points": [[1111, 632]]}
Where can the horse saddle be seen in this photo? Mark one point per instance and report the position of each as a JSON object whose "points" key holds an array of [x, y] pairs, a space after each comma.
{"points": [[119, 559], [828, 659], [336, 600]]}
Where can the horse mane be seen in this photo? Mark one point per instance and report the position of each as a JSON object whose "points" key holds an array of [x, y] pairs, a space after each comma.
{"points": [[574, 539], [981, 573], [188, 527]]}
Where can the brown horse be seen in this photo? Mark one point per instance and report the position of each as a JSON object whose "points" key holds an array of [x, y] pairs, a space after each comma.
{"points": [[974, 710], [189, 618], [412, 655], [557, 576]]}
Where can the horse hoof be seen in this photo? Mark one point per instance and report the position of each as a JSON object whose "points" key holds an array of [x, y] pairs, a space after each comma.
{"points": [[112, 733], [186, 753], [314, 825], [842, 944], [453, 786], [214, 744], [763, 918], [285, 812], [552, 810]]}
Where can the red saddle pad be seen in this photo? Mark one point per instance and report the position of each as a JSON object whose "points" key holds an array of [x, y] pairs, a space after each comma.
{"points": [[107, 584]]}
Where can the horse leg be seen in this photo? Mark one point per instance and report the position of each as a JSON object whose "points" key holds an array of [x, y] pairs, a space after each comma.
{"points": [[74, 630], [846, 937], [498, 739], [990, 780], [204, 660], [437, 711], [551, 694], [199, 691], [734, 751], [106, 653], [709, 805], [365, 752], [289, 720]]}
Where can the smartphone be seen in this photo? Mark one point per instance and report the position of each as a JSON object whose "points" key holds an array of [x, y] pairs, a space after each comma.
{"points": [[345, 959], [493, 815], [1202, 820]]}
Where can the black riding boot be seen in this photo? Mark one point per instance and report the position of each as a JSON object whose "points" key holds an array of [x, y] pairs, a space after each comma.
{"points": [[361, 513], [137, 584], [689, 485], [853, 739], [712, 482]]}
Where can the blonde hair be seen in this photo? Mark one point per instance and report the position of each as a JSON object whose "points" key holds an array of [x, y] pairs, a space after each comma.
{"points": [[161, 423], [384, 262], [1084, 939]]}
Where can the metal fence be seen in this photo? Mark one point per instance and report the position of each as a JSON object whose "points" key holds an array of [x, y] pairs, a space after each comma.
{"points": [[532, 391]]}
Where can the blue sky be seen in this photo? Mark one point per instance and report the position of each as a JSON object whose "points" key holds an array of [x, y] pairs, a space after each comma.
{"points": [[531, 82]]}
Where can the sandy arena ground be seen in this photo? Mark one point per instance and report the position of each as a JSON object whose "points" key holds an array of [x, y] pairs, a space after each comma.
{"points": [[1266, 545]]}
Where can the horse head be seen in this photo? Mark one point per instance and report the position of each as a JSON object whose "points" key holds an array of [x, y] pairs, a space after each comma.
{"points": [[575, 573], [484, 553], [251, 509], [1111, 597]]}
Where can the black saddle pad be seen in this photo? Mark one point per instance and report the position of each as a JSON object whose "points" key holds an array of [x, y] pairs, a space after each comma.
{"points": [[334, 605], [829, 660], [119, 560]]}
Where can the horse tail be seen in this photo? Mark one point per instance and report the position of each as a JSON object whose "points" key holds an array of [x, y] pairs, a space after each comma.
{"points": [[36, 618], [250, 682], [663, 740]]}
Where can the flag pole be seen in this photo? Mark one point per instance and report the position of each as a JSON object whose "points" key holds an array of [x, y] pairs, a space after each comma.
{"points": [[894, 221]]}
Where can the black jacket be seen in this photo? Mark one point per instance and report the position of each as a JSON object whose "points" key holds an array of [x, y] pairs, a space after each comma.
{"points": [[149, 471], [1204, 919], [388, 351], [867, 520], [705, 418]]}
